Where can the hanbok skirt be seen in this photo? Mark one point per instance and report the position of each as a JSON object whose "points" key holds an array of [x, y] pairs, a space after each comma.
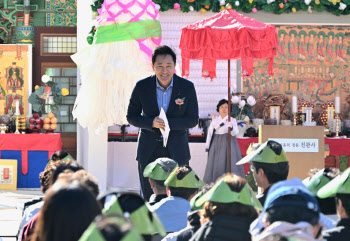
{"points": [[217, 163]]}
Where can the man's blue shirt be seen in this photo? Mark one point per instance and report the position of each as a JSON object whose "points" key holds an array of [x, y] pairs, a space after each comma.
{"points": [[163, 95]]}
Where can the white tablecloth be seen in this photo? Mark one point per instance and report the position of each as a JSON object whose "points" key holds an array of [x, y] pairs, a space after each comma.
{"points": [[122, 166]]}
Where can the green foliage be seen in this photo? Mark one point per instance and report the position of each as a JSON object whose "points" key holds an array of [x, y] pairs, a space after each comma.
{"points": [[38, 103], [240, 113], [246, 6]]}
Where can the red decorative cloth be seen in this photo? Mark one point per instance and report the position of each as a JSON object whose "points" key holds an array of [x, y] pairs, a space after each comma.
{"points": [[227, 35], [30, 142]]}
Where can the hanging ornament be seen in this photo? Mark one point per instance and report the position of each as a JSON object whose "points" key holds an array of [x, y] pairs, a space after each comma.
{"points": [[237, 3], [309, 9], [228, 6], [294, 10], [334, 1], [270, 1], [281, 5], [202, 10], [222, 2], [222, 8], [191, 8], [206, 6], [342, 6], [254, 10], [45, 78], [157, 6], [176, 6], [307, 2], [317, 2]]}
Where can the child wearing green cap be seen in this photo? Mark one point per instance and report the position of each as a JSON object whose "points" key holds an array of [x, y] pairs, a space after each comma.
{"points": [[318, 179], [231, 207], [268, 163], [340, 188], [182, 184], [157, 172]]}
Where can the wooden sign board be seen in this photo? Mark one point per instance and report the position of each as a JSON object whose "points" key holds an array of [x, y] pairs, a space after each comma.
{"points": [[304, 146]]}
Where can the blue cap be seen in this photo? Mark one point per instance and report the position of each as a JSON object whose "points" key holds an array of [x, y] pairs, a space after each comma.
{"points": [[306, 201]]}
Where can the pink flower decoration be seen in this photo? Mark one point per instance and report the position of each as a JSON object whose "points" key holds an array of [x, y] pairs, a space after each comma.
{"points": [[180, 101], [254, 10], [176, 6]]}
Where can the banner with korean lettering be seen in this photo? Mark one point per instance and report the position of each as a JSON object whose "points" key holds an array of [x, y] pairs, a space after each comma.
{"points": [[297, 145]]}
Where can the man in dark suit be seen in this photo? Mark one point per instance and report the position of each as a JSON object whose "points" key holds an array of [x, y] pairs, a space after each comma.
{"points": [[177, 96]]}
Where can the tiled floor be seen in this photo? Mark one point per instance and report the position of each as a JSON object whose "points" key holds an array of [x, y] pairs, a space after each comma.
{"points": [[11, 205]]}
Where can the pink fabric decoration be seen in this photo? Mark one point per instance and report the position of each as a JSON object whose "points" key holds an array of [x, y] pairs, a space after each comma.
{"points": [[124, 11]]}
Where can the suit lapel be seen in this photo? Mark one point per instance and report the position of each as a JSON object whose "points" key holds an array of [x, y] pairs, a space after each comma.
{"points": [[174, 94], [153, 95]]}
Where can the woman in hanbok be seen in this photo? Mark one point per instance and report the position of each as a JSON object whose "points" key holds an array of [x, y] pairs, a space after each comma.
{"points": [[216, 145]]}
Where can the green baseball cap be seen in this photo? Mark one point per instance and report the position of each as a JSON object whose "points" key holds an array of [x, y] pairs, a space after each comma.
{"points": [[222, 193], [92, 233], [191, 180], [160, 169], [145, 221], [340, 184], [317, 181], [268, 152]]}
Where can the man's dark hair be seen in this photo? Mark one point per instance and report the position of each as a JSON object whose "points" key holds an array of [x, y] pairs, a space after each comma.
{"points": [[163, 50], [59, 155], [221, 102], [183, 192], [158, 184], [274, 172], [345, 199], [291, 213]]}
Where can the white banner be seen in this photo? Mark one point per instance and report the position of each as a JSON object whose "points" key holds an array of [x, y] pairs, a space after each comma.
{"points": [[297, 145]]}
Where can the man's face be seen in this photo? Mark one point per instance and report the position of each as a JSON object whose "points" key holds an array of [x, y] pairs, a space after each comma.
{"points": [[256, 175], [164, 68]]}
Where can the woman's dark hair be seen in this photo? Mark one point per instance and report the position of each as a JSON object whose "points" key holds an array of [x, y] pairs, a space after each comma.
{"points": [[73, 167], [163, 50], [236, 184], [221, 102], [67, 212]]}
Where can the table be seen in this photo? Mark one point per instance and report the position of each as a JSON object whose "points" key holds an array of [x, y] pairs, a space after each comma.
{"points": [[122, 166], [32, 151]]}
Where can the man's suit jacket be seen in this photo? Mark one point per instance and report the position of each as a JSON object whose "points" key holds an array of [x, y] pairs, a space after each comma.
{"points": [[143, 108]]}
